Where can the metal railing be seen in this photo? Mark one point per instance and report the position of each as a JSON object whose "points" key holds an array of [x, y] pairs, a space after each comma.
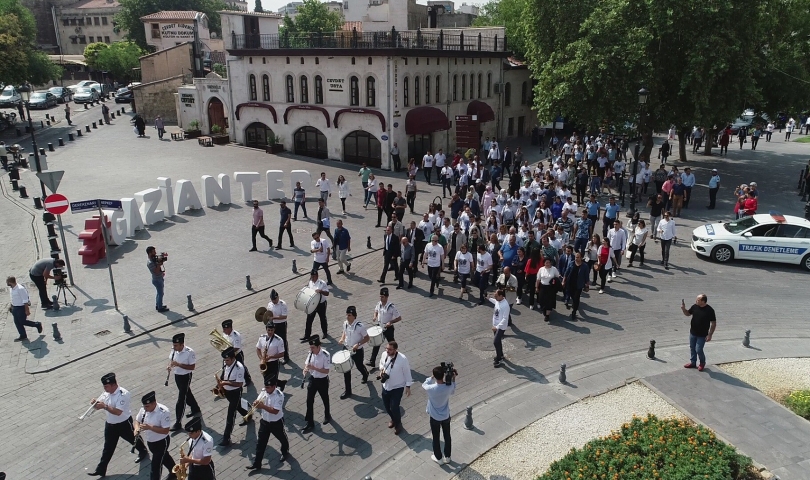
{"points": [[409, 39]]}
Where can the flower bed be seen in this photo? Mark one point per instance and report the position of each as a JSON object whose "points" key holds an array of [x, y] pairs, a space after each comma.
{"points": [[799, 403], [653, 448]]}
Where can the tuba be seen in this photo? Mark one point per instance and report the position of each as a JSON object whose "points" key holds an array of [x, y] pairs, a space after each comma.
{"points": [[179, 470], [219, 341]]}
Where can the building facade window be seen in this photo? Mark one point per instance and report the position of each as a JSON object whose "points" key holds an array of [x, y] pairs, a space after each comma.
{"points": [[417, 99], [472, 86], [507, 95], [265, 88], [304, 89], [371, 92], [318, 89], [91, 39], [252, 87], [489, 85], [438, 89], [427, 90], [106, 39], [455, 88], [96, 21], [406, 100], [104, 20], [290, 89], [479, 84], [523, 93], [155, 30], [354, 92], [464, 86]]}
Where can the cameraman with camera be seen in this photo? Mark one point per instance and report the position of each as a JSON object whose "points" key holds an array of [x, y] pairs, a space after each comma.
{"points": [[438, 389], [40, 273], [155, 266]]}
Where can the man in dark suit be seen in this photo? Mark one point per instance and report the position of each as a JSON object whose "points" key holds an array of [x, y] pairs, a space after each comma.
{"points": [[391, 252], [408, 263], [416, 237], [507, 161]]}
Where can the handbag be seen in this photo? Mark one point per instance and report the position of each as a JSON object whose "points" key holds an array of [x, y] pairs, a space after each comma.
{"points": [[633, 247]]}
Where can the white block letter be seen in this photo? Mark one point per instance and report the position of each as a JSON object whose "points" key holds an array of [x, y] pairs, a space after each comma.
{"points": [[132, 216], [148, 199], [186, 197], [221, 190], [302, 176], [165, 185], [116, 233], [275, 184], [247, 179]]}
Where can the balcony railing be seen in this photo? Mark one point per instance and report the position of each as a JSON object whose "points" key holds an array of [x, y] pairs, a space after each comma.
{"points": [[409, 39]]}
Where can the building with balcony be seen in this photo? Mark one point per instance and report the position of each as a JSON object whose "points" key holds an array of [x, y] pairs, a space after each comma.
{"points": [[88, 21]]}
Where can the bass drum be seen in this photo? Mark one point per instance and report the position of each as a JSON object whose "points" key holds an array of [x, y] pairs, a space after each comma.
{"points": [[307, 300], [342, 361]]}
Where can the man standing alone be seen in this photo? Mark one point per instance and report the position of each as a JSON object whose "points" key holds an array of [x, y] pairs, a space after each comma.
{"points": [[714, 186], [702, 328], [20, 309], [438, 407], [258, 225]]}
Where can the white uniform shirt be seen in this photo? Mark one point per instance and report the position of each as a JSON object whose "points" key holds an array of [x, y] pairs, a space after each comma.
{"points": [[159, 417], [500, 316], [236, 339], [434, 254], [386, 313], [279, 310], [274, 400], [398, 369], [274, 345], [324, 245], [119, 399], [483, 262], [200, 448], [19, 296], [322, 359], [234, 373], [319, 285], [186, 356], [464, 261], [355, 333]]}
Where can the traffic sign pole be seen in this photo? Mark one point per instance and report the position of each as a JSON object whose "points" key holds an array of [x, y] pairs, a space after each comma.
{"points": [[107, 251], [65, 250]]}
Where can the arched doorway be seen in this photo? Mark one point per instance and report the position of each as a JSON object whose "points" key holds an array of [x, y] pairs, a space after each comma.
{"points": [[310, 142], [418, 146], [361, 147], [216, 114], [257, 135]]}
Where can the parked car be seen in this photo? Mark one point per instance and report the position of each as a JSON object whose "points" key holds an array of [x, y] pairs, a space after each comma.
{"points": [[42, 99], [72, 88], [85, 95], [124, 95], [62, 94], [10, 97]]}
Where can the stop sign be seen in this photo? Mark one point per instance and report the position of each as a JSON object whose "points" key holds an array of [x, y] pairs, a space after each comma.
{"points": [[56, 204]]}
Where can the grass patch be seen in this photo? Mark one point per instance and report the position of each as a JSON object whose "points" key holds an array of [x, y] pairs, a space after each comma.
{"points": [[652, 448], [805, 139], [799, 403]]}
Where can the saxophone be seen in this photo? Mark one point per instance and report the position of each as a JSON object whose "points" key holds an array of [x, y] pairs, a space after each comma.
{"points": [[180, 470]]}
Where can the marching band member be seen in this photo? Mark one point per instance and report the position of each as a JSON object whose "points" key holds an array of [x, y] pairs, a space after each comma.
{"points": [[182, 362], [278, 309], [236, 340], [231, 378], [269, 349], [395, 375], [153, 422], [201, 446], [317, 364], [321, 287], [385, 314], [115, 401], [354, 337], [272, 422]]}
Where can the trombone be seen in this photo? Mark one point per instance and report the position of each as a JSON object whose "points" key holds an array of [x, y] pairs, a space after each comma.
{"points": [[252, 410], [91, 408], [219, 340]]}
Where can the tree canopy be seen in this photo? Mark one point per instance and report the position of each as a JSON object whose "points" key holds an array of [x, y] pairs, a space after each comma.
{"points": [[91, 53], [119, 59], [22, 62], [313, 17], [129, 18], [509, 14]]}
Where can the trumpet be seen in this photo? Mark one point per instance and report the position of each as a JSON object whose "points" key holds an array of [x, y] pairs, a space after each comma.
{"points": [[180, 470], [91, 408], [218, 391], [252, 410], [219, 341]]}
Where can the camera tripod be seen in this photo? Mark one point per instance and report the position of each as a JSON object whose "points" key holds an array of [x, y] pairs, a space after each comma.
{"points": [[63, 288]]}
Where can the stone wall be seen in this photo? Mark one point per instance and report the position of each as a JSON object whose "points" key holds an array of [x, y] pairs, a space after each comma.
{"points": [[157, 98]]}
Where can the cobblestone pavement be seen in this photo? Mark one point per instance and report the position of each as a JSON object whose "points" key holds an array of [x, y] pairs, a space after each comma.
{"points": [[209, 260]]}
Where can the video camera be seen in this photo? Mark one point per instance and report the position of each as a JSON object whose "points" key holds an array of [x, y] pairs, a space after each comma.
{"points": [[58, 276], [162, 257], [449, 372]]}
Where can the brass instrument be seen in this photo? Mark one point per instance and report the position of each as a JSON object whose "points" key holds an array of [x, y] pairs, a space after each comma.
{"points": [[253, 407], [267, 317], [91, 408], [259, 315], [180, 470], [263, 364], [219, 341], [218, 391]]}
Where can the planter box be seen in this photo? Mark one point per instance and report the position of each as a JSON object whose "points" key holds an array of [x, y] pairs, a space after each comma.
{"points": [[193, 133], [275, 148], [221, 139]]}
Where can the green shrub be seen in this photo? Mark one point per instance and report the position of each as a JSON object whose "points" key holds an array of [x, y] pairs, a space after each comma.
{"points": [[799, 402], [652, 448]]}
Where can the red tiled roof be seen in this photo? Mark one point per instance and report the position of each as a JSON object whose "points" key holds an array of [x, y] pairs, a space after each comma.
{"points": [[97, 4], [171, 15]]}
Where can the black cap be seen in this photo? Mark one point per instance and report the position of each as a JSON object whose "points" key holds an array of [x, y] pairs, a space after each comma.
{"points": [[108, 379], [270, 381], [148, 398], [193, 425], [229, 352], [179, 338], [227, 323], [315, 340], [352, 311], [273, 293], [270, 325], [314, 272], [384, 291]]}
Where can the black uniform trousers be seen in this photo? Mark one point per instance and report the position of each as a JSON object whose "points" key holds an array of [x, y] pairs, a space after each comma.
{"points": [[234, 398], [185, 397], [112, 432], [321, 387], [281, 332], [357, 358], [321, 312], [265, 430], [272, 372], [240, 357], [388, 333], [202, 472], [160, 457]]}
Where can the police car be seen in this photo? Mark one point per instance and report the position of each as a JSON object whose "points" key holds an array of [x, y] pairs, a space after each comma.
{"points": [[768, 237]]}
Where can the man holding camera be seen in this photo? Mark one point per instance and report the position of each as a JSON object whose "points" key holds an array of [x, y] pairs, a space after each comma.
{"points": [[40, 273], [438, 389], [395, 375], [21, 309], [155, 266]]}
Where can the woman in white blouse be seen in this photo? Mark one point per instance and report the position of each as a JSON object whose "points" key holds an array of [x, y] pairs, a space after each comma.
{"points": [[638, 242], [592, 254], [547, 279], [343, 191], [372, 190]]}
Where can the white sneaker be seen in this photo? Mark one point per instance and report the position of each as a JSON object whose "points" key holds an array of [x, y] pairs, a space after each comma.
{"points": [[517, 301], [609, 279], [446, 460], [614, 274], [433, 457], [601, 291]]}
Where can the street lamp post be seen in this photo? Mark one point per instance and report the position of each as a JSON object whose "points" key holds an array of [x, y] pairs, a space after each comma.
{"points": [[642, 101], [26, 94]]}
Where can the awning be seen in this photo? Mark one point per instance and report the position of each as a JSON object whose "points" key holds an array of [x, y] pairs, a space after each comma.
{"points": [[424, 120], [483, 110]]}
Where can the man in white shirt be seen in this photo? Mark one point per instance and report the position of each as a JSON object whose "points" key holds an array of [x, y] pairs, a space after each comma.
{"points": [[182, 362], [20, 309], [278, 316], [447, 175], [439, 161], [483, 268], [617, 236], [272, 412], [435, 261], [321, 249], [323, 288], [316, 368], [152, 423], [353, 338], [500, 320], [386, 314], [769, 131], [427, 166], [324, 187], [395, 375], [236, 340], [688, 180], [231, 379], [666, 233]]}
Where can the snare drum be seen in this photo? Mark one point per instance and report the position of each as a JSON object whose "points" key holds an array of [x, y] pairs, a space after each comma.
{"points": [[375, 336], [342, 361], [307, 300]]}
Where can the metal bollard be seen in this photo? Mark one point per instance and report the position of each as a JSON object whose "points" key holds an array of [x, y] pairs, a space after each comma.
{"points": [[41, 124], [61, 142], [41, 152], [127, 327], [651, 351], [56, 335], [55, 303], [85, 106], [294, 267], [48, 122], [123, 110], [368, 241], [50, 146], [94, 125], [112, 115], [468, 420], [247, 283], [23, 193], [747, 339], [15, 185], [562, 374], [87, 128], [190, 305], [78, 132], [38, 203], [101, 121], [48, 116], [70, 137]]}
